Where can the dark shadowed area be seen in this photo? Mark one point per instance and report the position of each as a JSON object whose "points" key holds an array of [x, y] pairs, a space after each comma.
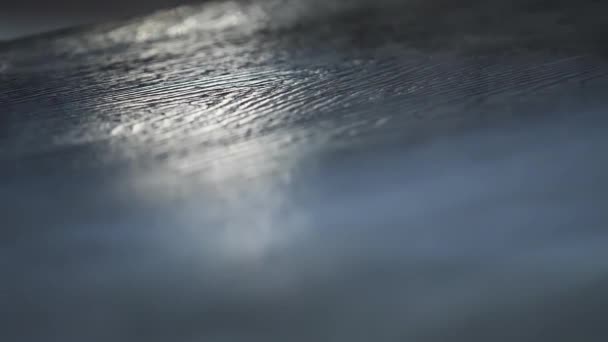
{"points": [[282, 170]]}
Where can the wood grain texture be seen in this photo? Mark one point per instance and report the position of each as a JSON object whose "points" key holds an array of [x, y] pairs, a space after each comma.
{"points": [[308, 170]]}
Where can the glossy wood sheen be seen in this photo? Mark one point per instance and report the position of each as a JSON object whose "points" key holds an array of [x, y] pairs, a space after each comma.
{"points": [[308, 171]]}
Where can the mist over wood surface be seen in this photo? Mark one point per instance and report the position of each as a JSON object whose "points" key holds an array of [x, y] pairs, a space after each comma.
{"points": [[24, 19], [308, 171]]}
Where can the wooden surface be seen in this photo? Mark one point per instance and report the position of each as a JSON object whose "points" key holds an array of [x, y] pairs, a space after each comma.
{"points": [[314, 171]]}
